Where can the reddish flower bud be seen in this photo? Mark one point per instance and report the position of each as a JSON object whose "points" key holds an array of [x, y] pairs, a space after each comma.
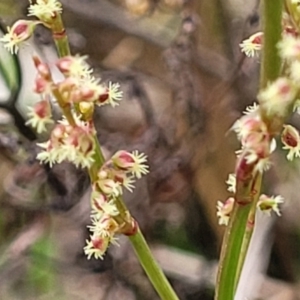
{"points": [[19, 32], [291, 141], [42, 68]]}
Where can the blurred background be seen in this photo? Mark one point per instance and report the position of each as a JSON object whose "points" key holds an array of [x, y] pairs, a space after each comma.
{"points": [[185, 82]]}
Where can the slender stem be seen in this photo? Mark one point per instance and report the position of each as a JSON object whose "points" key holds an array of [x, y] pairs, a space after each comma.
{"points": [[231, 247], [249, 227], [60, 37], [153, 271], [271, 62], [139, 244], [240, 228], [99, 160]]}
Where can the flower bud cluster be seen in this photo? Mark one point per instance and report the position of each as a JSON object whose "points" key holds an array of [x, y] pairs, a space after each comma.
{"points": [[72, 143], [257, 128], [107, 218], [80, 86], [256, 142], [266, 204], [74, 138], [44, 10]]}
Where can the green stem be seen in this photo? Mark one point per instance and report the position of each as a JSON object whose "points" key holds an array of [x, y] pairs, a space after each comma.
{"points": [[99, 160], [152, 269], [60, 37], [231, 248], [271, 62], [240, 228], [249, 227]]}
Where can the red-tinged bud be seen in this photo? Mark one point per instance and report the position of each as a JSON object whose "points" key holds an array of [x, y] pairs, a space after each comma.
{"points": [[67, 85], [74, 97], [42, 109], [100, 243], [86, 143], [109, 224], [74, 66], [291, 141], [244, 170], [97, 246], [98, 200], [131, 229], [42, 68], [42, 85], [58, 132], [40, 116], [109, 187], [252, 45], [290, 136], [277, 98], [119, 177], [123, 160], [87, 93], [19, 32], [103, 97], [64, 64]]}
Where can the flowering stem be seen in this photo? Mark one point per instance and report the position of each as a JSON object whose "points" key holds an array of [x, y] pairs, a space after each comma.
{"points": [[249, 226], [240, 228], [231, 248], [152, 269]]}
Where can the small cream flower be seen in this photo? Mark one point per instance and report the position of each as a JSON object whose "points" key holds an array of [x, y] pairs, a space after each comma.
{"points": [[103, 226], [134, 162], [123, 178], [109, 187], [45, 10], [289, 47], [74, 66], [251, 109], [96, 246], [277, 97], [268, 204], [291, 141], [40, 116], [18, 33], [252, 45], [114, 94], [231, 182], [101, 204], [51, 155], [224, 210]]}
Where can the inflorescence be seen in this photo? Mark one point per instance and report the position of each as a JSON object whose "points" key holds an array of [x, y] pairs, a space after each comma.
{"points": [[74, 137]]}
